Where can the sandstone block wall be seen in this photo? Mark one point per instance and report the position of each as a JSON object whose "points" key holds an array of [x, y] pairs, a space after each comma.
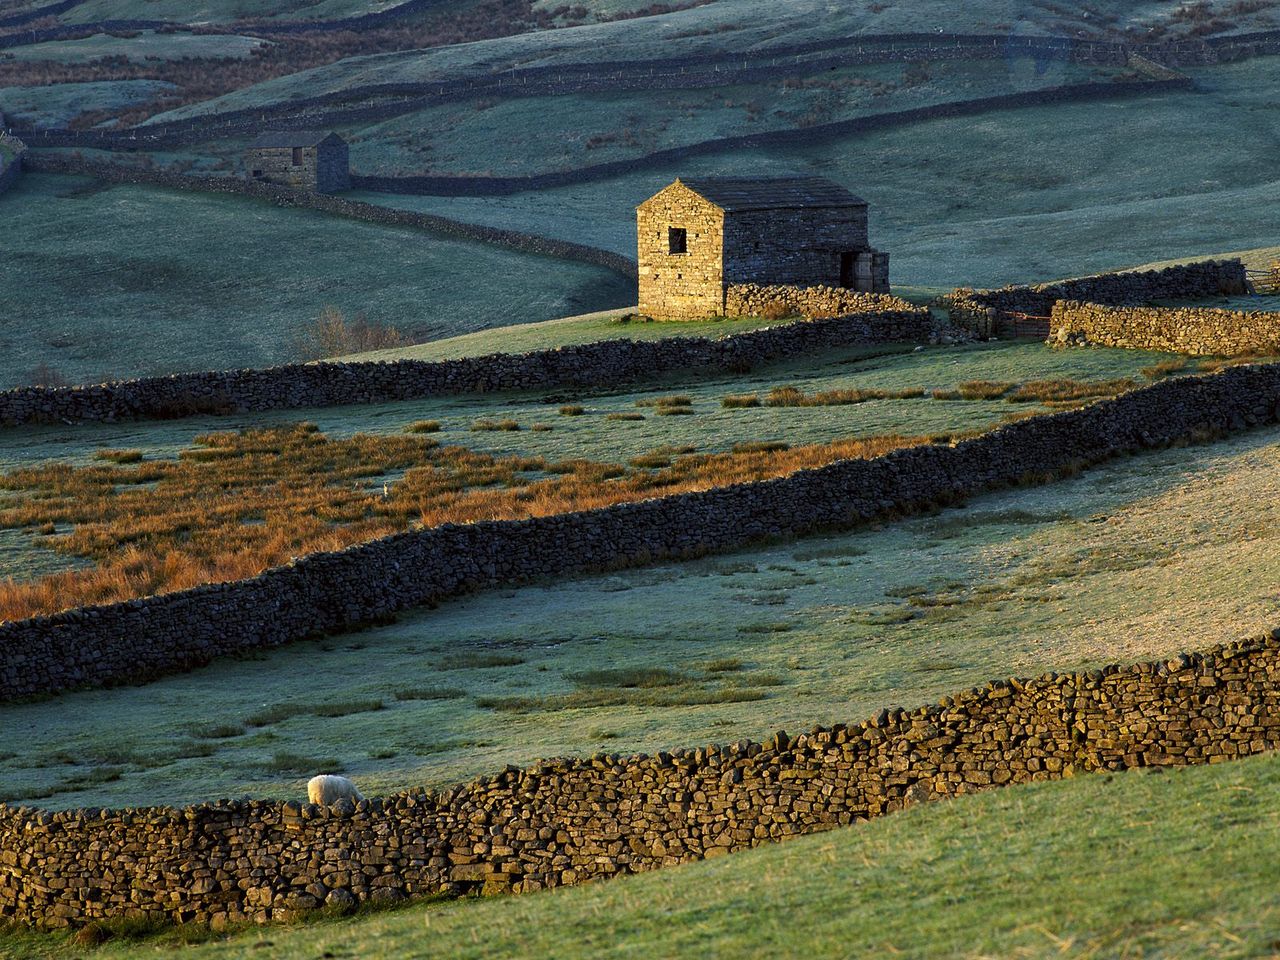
{"points": [[1199, 331], [134, 640], [566, 821], [686, 285], [989, 313], [752, 299]]}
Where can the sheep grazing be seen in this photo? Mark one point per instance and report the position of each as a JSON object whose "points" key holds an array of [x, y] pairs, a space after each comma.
{"points": [[326, 789]]}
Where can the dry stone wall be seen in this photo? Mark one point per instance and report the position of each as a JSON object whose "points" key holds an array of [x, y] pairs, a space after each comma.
{"points": [[605, 363], [754, 299], [1199, 331], [991, 313], [132, 641], [566, 821]]}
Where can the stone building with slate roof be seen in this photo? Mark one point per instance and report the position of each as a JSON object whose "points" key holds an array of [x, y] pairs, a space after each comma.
{"points": [[303, 159], [700, 236]]}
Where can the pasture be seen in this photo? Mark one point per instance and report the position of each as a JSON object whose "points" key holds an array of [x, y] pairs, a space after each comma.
{"points": [[130, 510], [220, 11], [733, 25], [498, 138], [58, 104], [1136, 559], [146, 45], [213, 281]]}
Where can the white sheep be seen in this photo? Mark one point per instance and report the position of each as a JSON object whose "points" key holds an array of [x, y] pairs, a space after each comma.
{"points": [[326, 789]]}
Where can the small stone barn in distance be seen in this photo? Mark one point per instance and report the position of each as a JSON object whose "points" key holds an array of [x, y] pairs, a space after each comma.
{"points": [[700, 236], [303, 159]]}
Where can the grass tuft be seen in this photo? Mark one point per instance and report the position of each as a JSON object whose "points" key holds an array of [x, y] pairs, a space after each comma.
{"points": [[423, 426]]}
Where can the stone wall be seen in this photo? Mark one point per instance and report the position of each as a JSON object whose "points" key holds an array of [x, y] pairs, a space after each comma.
{"points": [[602, 364], [134, 640], [992, 313], [566, 821], [754, 299], [798, 247], [1199, 331]]}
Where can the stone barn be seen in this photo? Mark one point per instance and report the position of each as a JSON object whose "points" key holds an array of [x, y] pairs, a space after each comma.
{"points": [[303, 159], [701, 236]]}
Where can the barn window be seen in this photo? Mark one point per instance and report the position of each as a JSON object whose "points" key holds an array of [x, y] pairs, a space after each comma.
{"points": [[297, 156], [677, 240]]}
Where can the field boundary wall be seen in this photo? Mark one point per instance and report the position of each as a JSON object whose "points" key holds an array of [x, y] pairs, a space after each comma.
{"points": [[565, 821], [603, 363], [1026, 310], [1197, 331], [132, 641]]}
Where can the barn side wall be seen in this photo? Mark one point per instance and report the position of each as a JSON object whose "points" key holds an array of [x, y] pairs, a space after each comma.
{"points": [[277, 166], [792, 247]]}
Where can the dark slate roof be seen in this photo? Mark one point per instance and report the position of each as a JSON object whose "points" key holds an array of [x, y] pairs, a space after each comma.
{"points": [[772, 193], [296, 138]]}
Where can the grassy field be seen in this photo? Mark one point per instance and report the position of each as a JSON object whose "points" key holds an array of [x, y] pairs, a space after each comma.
{"points": [[1010, 196], [209, 281], [613, 434], [216, 11], [56, 105], [1177, 864], [147, 45], [1163, 552], [497, 138], [744, 25]]}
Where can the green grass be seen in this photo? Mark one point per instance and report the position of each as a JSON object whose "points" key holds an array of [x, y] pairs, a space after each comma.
{"points": [[1159, 553], [214, 282], [1176, 864], [563, 332]]}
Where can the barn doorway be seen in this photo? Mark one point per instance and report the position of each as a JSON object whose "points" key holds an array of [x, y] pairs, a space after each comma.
{"points": [[847, 278]]}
